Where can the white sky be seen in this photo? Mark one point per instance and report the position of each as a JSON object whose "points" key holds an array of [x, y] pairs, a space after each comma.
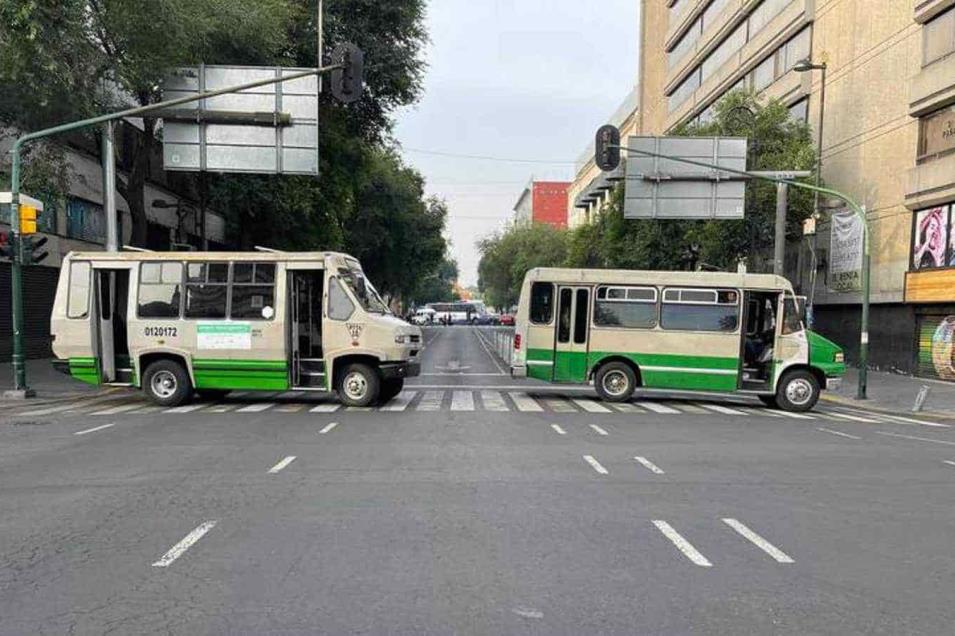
{"points": [[524, 79]]}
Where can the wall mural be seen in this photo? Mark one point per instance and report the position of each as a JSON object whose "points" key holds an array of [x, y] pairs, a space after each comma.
{"points": [[936, 344]]}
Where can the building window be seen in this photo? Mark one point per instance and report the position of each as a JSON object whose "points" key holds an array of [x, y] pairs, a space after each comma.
{"points": [[800, 110], [937, 133], [727, 48], [764, 74], [685, 44], [85, 220], [764, 13], [674, 11], [931, 239], [684, 90], [160, 290], [938, 37], [207, 290]]}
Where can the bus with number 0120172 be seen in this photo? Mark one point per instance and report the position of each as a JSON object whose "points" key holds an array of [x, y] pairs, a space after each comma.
{"points": [[683, 331], [179, 323]]}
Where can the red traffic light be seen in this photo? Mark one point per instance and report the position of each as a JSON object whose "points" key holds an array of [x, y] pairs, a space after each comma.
{"points": [[607, 155]]}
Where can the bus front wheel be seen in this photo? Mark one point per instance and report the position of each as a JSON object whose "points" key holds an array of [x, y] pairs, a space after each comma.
{"points": [[797, 391], [615, 382], [166, 383], [359, 385]]}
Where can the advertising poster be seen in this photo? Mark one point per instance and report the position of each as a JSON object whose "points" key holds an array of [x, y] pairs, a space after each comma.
{"points": [[845, 253], [930, 238]]}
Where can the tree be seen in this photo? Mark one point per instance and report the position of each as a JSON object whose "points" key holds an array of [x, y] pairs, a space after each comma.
{"points": [[507, 256], [438, 286]]}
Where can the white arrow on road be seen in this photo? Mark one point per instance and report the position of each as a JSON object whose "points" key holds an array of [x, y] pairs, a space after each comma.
{"points": [[453, 366]]}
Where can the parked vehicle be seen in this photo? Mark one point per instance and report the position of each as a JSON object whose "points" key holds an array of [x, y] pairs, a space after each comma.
{"points": [[460, 313], [703, 331], [423, 316], [176, 322], [506, 320]]}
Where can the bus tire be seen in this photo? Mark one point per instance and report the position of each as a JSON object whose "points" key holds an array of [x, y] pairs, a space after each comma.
{"points": [[360, 385], [798, 391], [390, 388], [615, 382], [166, 383]]}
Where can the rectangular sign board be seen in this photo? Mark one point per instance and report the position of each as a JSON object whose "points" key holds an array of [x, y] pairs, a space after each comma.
{"points": [[658, 188], [286, 143]]}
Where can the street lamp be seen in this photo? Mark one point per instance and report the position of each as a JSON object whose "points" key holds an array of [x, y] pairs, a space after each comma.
{"points": [[806, 66]]}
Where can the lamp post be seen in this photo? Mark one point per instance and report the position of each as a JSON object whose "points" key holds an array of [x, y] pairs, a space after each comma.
{"points": [[806, 66]]}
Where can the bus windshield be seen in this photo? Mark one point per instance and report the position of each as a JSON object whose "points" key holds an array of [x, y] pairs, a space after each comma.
{"points": [[364, 291]]}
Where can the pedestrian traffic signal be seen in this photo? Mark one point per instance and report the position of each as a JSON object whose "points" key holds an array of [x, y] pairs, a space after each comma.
{"points": [[27, 219], [7, 245], [348, 82], [607, 155], [32, 254]]}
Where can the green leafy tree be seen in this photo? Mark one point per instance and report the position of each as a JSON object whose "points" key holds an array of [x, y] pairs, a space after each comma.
{"points": [[507, 256], [438, 286]]}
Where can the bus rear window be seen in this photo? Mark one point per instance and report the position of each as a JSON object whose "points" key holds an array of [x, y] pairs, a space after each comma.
{"points": [[542, 303]]}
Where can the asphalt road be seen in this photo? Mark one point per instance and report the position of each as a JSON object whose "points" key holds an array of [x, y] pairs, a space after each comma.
{"points": [[466, 510]]}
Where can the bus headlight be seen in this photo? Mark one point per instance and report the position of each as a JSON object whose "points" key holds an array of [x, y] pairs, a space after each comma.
{"points": [[839, 357]]}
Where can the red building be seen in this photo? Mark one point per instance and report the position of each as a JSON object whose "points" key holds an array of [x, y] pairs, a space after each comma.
{"points": [[543, 202]]}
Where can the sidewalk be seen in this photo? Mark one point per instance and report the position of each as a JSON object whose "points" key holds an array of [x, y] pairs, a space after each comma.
{"points": [[896, 393], [48, 383]]}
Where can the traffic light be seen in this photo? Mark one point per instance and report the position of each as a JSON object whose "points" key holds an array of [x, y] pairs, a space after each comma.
{"points": [[348, 82], [7, 245], [27, 219], [607, 155], [32, 254]]}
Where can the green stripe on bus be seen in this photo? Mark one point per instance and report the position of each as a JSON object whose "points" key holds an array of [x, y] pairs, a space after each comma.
{"points": [[84, 369], [254, 375]]}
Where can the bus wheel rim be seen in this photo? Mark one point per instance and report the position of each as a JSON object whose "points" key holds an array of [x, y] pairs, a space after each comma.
{"points": [[355, 386], [164, 384], [615, 382], [799, 391]]}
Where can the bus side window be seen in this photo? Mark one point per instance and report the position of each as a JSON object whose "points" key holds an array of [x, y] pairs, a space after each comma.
{"points": [[160, 290], [78, 302], [792, 321], [542, 303], [563, 320], [340, 306]]}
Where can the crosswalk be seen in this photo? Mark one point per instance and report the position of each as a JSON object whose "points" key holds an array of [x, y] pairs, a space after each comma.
{"points": [[462, 400]]}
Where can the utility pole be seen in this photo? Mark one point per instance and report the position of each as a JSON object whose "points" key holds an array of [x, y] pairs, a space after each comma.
{"points": [[779, 248], [109, 188]]}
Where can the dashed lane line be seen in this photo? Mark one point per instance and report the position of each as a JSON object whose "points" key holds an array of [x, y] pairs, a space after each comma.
{"points": [[682, 544], [187, 542], [328, 427], [558, 429], [598, 429], [646, 463], [282, 464], [948, 461], [839, 433], [94, 429], [759, 542], [917, 438], [596, 465]]}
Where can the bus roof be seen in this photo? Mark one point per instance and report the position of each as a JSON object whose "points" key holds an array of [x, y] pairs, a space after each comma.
{"points": [[651, 277], [134, 256]]}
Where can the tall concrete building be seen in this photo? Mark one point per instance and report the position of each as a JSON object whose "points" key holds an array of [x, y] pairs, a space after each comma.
{"points": [[542, 202], [889, 141]]}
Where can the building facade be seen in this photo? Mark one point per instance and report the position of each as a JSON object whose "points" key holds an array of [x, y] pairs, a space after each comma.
{"points": [[542, 202]]}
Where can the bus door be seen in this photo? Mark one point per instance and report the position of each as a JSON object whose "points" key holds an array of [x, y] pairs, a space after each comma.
{"points": [[571, 335], [306, 356], [111, 335]]}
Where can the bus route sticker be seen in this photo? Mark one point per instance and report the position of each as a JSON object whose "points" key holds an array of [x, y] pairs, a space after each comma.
{"points": [[219, 335]]}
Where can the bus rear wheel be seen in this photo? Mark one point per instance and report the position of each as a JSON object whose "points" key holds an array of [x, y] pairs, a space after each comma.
{"points": [[615, 382], [797, 391], [166, 383], [359, 386]]}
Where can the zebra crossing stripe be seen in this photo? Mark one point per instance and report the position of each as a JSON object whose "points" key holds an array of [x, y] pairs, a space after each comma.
{"points": [[431, 401], [688, 408], [591, 406], [626, 407], [186, 408], [327, 407], [656, 407], [526, 403], [725, 410], [258, 407], [400, 402], [559, 405], [462, 401], [493, 401], [122, 408], [291, 408], [73, 405], [221, 408], [851, 418], [795, 416]]}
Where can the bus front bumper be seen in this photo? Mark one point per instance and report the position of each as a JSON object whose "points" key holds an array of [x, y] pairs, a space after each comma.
{"points": [[518, 371], [397, 370]]}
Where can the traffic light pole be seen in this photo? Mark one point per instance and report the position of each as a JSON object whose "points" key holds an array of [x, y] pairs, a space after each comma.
{"points": [[855, 207], [16, 282]]}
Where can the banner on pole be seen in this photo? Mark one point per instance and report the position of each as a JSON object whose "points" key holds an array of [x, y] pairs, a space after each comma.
{"points": [[845, 253]]}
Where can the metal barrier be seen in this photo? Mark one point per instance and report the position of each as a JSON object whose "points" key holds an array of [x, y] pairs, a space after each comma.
{"points": [[500, 339]]}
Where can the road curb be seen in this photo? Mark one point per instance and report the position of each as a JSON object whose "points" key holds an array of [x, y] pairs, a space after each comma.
{"points": [[844, 401]]}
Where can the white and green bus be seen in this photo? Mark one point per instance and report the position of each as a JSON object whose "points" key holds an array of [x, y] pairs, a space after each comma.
{"points": [[686, 331]]}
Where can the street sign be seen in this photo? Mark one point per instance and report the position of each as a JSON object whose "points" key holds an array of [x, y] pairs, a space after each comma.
{"points": [[658, 188], [271, 129]]}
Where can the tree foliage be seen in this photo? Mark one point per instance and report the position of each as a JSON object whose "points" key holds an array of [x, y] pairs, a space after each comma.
{"points": [[506, 256]]}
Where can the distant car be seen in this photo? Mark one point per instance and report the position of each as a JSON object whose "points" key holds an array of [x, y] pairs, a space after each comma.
{"points": [[507, 320], [424, 316]]}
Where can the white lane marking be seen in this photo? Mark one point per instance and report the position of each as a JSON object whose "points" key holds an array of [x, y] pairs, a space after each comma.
{"points": [[94, 429], [762, 410], [690, 408], [682, 544], [488, 352], [122, 408], [282, 464], [656, 408], [839, 433], [73, 405], [897, 418], [493, 401], [759, 541], [526, 403], [187, 408], [462, 401], [590, 405], [625, 407], [431, 401], [795, 416], [400, 402], [221, 408], [557, 429], [328, 427], [598, 430], [177, 550], [595, 464], [653, 468], [920, 439], [725, 410], [948, 461], [291, 408], [147, 409], [256, 408], [327, 407], [361, 409], [559, 405], [851, 418]]}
